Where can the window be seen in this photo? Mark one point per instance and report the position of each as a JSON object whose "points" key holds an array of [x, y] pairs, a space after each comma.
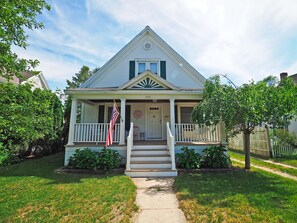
{"points": [[185, 114], [141, 68], [153, 66]]}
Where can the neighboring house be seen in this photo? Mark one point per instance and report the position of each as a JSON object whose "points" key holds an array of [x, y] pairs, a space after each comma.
{"points": [[155, 90], [293, 124], [37, 81]]}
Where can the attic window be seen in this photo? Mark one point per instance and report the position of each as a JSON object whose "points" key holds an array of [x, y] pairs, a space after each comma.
{"points": [[153, 66]]}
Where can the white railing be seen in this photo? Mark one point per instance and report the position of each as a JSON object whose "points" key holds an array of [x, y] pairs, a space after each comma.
{"points": [[197, 133], [94, 132], [170, 145], [282, 149], [129, 146]]}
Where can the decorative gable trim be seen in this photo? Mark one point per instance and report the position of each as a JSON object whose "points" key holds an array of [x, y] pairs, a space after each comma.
{"points": [[148, 81]]}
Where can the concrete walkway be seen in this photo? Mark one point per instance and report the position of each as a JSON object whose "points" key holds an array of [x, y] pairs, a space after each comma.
{"points": [[268, 170], [157, 201]]}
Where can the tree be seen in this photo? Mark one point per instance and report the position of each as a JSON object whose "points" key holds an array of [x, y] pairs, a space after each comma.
{"points": [[242, 108], [79, 78], [15, 17]]}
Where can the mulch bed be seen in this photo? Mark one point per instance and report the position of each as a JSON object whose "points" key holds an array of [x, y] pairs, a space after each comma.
{"points": [[89, 172]]}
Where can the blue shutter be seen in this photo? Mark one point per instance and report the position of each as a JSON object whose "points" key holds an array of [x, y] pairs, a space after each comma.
{"points": [[163, 69], [131, 69]]}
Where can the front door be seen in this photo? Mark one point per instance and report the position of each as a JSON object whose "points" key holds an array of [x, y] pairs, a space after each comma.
{"points": [[154, 122]]}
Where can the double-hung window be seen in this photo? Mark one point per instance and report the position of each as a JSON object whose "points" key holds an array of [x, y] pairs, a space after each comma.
{"points": [[153, 66]]}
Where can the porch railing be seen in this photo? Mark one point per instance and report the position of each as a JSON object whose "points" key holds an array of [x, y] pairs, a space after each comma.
{"points": [[197, 133], [129, 146], [170, 145], [94, 132]]}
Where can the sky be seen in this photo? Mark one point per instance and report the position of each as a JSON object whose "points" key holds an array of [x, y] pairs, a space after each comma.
{"points": [[247, 40]]}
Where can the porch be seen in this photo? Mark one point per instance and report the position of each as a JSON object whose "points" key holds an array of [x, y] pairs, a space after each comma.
{"points": [[147, 135]]}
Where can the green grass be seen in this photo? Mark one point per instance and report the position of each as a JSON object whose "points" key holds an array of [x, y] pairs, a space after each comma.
{"points": [[254, 196], [32, 192], [286, 160], [240, 156]]}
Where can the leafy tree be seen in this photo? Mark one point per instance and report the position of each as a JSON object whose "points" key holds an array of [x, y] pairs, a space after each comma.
{"points": [[242, 108], [29, 120], [15, 17], [79, 78]]}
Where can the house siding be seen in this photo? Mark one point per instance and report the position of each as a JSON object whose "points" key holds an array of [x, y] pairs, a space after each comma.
{"points": [[119, 73]]}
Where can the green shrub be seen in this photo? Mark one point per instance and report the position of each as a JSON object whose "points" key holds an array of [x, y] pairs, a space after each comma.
{"points": [[106, 159], [109, 159], [84, 159], [285, 136], [216, 157], [189, 159], [7, 157]]}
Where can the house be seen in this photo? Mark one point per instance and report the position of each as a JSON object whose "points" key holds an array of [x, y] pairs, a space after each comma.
{"points": [[155, 90], [293, 124], [37, 81]]}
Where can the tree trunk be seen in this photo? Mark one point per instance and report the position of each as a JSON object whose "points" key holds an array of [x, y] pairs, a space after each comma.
{"points": [[247, 149]]}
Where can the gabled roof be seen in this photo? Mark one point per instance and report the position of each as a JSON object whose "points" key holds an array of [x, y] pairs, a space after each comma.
{"points": [[148, 80], [126, 49]]}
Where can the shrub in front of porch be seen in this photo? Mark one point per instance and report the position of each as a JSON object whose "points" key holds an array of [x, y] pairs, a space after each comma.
{"points": [[214, 157], [188, 158], [105, 160]]}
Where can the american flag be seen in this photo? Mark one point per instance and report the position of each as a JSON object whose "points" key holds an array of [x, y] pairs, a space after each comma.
{"points": [[114, 117]]}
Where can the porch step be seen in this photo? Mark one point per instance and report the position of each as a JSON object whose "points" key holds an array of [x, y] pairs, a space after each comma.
{"points": [[150, 157], [149, 147], [151, 172], [150, 164], [150, 161], [149, 152]]}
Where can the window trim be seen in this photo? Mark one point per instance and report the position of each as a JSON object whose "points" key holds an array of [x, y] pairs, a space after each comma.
{"points": [[147, 65]]}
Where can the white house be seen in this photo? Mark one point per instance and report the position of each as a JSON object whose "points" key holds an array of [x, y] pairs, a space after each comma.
{"points": [[155, 90]]}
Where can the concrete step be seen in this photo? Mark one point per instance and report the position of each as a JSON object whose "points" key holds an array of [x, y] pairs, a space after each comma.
{"points": [[151, 173], [150, 152], [150, 158], [150, 164], [135, 147]]}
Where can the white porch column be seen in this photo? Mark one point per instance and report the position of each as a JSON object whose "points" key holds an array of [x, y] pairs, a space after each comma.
{"points": [[122, 122], [172, 116], [72, 121]]}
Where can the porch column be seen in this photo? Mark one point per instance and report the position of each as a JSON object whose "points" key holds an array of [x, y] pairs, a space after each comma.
{"points": [[172, 116], [122, 122], [72, 121]]}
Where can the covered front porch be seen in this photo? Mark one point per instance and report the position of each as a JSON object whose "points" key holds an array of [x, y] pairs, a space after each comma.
{"points": [[149, 118]]}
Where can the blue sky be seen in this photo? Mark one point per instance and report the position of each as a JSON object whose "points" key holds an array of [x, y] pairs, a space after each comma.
{"points": [[244, 39]]}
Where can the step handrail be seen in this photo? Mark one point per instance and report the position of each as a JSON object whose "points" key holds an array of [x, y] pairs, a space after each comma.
{"points": [[129, 147], [170, 145]]}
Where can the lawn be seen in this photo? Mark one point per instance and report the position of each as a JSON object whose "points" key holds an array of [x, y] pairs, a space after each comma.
{"points": [[258, 162], [32, 192], [286, 160], [254, 196]]}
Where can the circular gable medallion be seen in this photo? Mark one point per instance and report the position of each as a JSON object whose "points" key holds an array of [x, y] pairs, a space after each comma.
{"points": [[147, 46]]}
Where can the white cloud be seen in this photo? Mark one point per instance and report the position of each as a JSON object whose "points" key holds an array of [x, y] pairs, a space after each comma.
{"points": [[244, 39], [235, 37]]}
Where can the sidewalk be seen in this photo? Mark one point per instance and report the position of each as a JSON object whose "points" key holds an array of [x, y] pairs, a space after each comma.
{"points": [[269, 170], [157, 201]]}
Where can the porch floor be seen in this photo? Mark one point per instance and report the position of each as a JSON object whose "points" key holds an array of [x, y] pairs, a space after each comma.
{"points": [[146, 142]]}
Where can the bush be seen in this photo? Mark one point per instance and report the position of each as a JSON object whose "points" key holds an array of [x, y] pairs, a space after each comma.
{"points": [[285, 136], [7, 157], [215, 157], [84, 159], [106, 159], [189, 159], [109, 159]]}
